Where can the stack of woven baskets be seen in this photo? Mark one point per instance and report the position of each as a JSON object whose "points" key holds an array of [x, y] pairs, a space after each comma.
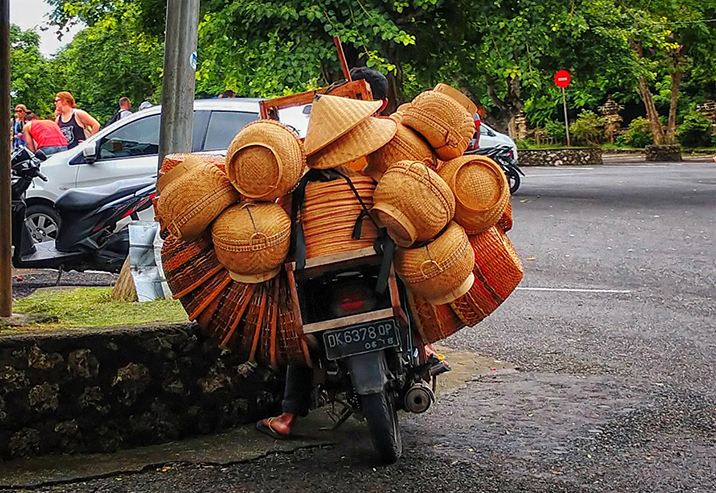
{"points": [[228, 223]]}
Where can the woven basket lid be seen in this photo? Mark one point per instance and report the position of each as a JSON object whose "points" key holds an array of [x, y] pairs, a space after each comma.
{"points": [[332, 117], [368, 136], [406, 144], [265, 160], [457, 96]]}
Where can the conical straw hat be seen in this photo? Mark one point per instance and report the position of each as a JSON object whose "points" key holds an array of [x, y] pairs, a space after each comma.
{"points": [[332, 117], [368, 136]]}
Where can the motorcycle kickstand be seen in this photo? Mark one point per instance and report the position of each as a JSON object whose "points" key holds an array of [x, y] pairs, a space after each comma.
{"points": [[346, 413], [59, 276]]}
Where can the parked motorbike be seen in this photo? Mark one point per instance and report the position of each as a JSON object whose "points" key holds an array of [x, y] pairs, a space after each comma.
{"points": [[370, 360], [88, 236], [503, 155]]}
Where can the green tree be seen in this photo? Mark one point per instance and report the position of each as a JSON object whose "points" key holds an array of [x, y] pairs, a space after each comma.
{"points": [[107, 61], [31, 79]]}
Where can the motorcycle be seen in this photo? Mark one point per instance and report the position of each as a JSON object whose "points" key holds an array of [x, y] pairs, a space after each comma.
{"points": [[87, 237], [369, 360], [503, 155]]}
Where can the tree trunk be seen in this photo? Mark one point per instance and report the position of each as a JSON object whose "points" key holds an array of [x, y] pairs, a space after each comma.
{"points": [[671, 127], [124, 288], [651, 112]]}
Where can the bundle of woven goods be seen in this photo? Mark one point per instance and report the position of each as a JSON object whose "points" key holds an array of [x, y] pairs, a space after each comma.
{"points": [[231, 223]]}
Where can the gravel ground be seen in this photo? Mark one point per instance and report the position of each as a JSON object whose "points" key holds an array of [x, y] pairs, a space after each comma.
{"points": [[25, 282]]}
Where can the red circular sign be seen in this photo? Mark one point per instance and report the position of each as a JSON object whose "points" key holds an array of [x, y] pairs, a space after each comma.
{"points": [[562, 78]]}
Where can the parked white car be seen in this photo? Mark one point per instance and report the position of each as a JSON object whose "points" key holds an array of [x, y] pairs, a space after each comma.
{"points": [[129, 149], [492, 138]]}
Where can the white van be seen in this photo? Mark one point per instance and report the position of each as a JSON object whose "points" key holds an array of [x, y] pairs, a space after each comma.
{"points": [[129, 149]]}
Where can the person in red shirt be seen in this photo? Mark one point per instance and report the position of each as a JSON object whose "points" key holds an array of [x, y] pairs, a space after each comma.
{"points": [[43, 134]]}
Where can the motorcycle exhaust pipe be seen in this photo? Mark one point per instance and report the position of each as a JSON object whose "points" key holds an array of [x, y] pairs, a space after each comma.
{"points": [[419, 398]]}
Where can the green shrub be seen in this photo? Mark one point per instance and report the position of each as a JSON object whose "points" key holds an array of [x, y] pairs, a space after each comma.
{"points": [[555, 131], [639, 134], [588, 129], [695, 131]]}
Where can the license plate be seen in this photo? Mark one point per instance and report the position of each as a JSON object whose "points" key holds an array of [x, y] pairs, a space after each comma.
{"points": [[359, 339]]}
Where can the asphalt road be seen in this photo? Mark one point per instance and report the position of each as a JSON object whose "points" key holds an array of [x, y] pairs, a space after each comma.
{"points": [[613, 330]]}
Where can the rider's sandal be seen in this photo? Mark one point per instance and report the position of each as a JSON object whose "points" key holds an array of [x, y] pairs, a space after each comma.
{"points": [[264, 426]]}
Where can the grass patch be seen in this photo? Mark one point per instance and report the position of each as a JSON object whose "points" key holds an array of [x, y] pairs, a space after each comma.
{"points": [[93, 307]]}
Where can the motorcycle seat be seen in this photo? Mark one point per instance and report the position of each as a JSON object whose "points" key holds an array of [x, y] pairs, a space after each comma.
{"points": [[82, 199]]}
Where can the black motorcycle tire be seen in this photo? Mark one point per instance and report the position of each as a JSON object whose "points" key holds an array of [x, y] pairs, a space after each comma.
{"points": [[513, 178], [41, 215], [382, 417]]}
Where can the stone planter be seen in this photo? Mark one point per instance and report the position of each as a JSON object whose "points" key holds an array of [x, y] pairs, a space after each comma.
{"points": [[100, 390], [663, 153], [588, 156]]}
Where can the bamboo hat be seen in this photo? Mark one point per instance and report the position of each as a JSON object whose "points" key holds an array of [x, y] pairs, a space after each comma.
{"points": [[368, 136], [457, 96], [332, 117]]}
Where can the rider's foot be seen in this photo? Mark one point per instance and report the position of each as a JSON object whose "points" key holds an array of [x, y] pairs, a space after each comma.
{"points": [[437, 361], [277, 427]]}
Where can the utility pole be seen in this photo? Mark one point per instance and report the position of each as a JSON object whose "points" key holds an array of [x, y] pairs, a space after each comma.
{"points": [[5, 181], [179, 77]]}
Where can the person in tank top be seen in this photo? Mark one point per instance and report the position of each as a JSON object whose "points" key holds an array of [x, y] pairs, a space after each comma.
{"points": [[76, 124], [43, 134]]}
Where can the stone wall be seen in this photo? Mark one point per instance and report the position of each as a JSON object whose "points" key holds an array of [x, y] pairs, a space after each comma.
{"points": [[101, 390], [588, 156]]}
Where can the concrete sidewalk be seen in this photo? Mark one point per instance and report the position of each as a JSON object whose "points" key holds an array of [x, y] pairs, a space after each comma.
{"points": [[236, 445]]}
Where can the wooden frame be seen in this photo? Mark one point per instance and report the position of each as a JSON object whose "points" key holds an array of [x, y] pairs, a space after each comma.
{"points": [[315, 267], [357, 89]]}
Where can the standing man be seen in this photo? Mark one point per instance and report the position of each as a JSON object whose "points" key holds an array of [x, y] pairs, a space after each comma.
{"points": [[125, 109], [18, 138], [75, 124], [43, 134]]}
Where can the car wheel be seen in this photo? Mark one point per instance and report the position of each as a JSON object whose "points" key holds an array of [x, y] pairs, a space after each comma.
{"points": [[43, 222]]}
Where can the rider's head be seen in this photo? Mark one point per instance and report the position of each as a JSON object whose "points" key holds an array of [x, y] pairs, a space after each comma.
{"points": [[30, 116], [377, 82], [64, 100]]}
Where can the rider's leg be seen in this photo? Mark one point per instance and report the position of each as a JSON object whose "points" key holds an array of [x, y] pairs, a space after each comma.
{"points": [[296, 399]]}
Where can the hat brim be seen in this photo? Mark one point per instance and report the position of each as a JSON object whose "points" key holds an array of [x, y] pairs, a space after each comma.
{"points": [[368, 136]]}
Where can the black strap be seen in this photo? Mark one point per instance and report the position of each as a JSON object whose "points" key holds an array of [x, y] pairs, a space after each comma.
{"points": [[385, 246]]}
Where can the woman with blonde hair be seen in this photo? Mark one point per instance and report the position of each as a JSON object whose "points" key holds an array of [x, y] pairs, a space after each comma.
{"points": [[76, 124]]}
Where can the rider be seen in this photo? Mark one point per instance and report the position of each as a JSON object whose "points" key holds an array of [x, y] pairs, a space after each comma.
{"points": [[299, 379]]}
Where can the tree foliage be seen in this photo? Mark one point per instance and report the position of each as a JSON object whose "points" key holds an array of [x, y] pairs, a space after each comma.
{"points": [[31, 79], [501, 52]]}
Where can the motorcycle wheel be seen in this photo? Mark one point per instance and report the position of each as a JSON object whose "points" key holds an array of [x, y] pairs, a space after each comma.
{"points": [[513, 178], [43, 222], [382, 417]]}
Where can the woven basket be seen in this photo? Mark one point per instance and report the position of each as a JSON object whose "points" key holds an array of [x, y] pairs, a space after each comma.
{"points": [[188, 264], [366, 137], [329, 215], [481, 191], [252, 240], [265, 160], [413, 202], [505, 222], [292, 347], [497, 271], [175, 165], [440, 271], [406, 145], [434, 322], [463, 100], [189, 203], [252, 322], [197, 300], [223, 321], [446, 125]]}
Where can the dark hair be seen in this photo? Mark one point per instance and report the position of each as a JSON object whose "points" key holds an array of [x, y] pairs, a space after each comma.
{"points": [[227, 94], [377, 81], [30, 116]]}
